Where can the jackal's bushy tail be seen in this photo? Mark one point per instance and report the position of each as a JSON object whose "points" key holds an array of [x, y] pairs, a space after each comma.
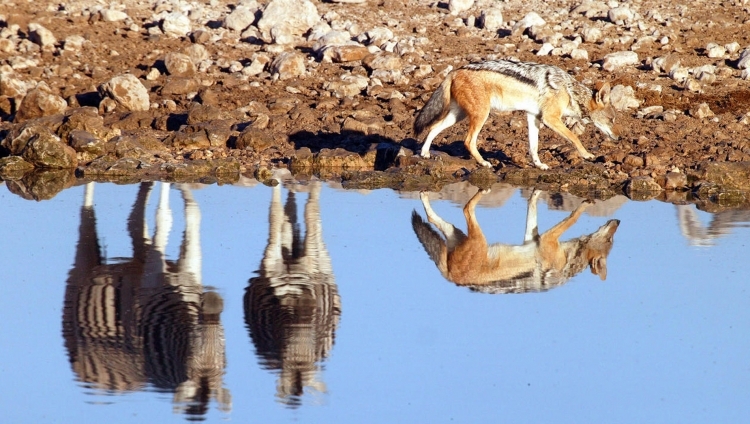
{"points": [[435, 108], [428, 237]]}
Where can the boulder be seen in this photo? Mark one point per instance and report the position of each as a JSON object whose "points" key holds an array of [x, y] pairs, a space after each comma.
{"points": [[127, 91]]}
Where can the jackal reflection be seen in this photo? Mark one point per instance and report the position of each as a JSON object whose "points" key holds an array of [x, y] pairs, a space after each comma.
{"points": [[292, 307], [146, 320], [542, 262]]}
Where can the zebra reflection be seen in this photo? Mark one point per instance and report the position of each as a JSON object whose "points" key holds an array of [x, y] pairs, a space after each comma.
{"points": [[292, 307], [146, 320]]}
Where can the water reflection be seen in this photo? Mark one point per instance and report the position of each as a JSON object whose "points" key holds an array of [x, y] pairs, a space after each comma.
{"points": [[146, 320], [292, 307], [542, 262], [722, 223]]}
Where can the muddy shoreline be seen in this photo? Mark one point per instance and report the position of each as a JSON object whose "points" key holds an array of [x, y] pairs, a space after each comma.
{"points": [[335, 97]]}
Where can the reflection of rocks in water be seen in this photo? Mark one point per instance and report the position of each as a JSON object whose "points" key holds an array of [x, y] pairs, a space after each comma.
{"points": [[542, 262], [42, 184], [569, 202], [146, 320], [292, 307], [460, 193], [721, 224]]}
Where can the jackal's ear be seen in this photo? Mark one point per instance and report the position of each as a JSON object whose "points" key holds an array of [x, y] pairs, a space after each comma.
{"points": [[602, 93], [599, 267]]}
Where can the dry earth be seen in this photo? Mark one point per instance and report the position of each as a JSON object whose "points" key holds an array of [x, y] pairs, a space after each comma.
{"points": [[333, 90]]}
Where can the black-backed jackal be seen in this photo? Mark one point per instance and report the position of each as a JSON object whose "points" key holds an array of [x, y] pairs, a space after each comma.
{"points": [[542, 262], [546, 93]]}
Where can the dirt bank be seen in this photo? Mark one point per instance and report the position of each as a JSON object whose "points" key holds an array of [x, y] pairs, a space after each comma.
{"points": [[331, 88]]}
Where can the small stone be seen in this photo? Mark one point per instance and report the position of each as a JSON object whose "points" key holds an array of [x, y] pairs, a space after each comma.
{"points": [[491, 19], [176, 24], [618, 60], [531, 19], [240, 18], [592, 34], [179, 64], [715, 51], [701, 111], [288, 65], [127, 91], [459, 6], [579, 54], [620, 14], [744, 60], [40, 102], [41, 35], [112, 15], [679, 74], [675, 181]]}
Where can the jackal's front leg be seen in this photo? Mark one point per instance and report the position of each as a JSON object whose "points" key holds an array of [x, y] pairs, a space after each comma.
{"points": [[534, 124]]}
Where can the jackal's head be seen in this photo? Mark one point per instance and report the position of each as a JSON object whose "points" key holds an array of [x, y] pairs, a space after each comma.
{"points": [[602, 114], [597, 247]]}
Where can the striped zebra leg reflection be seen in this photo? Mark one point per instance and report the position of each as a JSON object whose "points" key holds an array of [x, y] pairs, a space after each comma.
{"points": [[146, 320], [292, 307]]}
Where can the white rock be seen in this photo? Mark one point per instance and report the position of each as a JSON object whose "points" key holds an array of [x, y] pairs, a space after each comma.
{"points": [[679, 74], [176, 24], [715, 51], [73, 43], [295, 16], [701, 111], [545, 49], [744, 61], [240, 18], [592, 35], [623, 98], [197, 53], [288, 65], [579, 54], [112, 15], [618, 60], [179, 64], [745, 74], [378, 36], [6, 45], [459, 6], [153, 74], [127, 91], [491, 19], [732, 47], [620, 14], [531, 19], [41, 35]]}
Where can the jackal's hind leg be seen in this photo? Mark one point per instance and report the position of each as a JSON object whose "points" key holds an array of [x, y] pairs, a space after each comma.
{"points": [[451, 118], [476, 122]]}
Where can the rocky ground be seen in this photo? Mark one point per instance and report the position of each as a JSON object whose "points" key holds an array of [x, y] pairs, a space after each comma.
{"points": [[206, 90]]}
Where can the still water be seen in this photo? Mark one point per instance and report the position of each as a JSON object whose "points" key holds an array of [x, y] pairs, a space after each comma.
{"points": [[307, 303]]}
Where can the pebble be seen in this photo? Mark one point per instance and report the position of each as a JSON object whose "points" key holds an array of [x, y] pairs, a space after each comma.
{"points": [[176, 24], [289, 17], [288, 65], [715, 51], [620, 14], [41, 35], [701, 111], [491, 19], [128, 91], [459, 6], [618, 60], [531, 19], [112, 15], [623, 98]]}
